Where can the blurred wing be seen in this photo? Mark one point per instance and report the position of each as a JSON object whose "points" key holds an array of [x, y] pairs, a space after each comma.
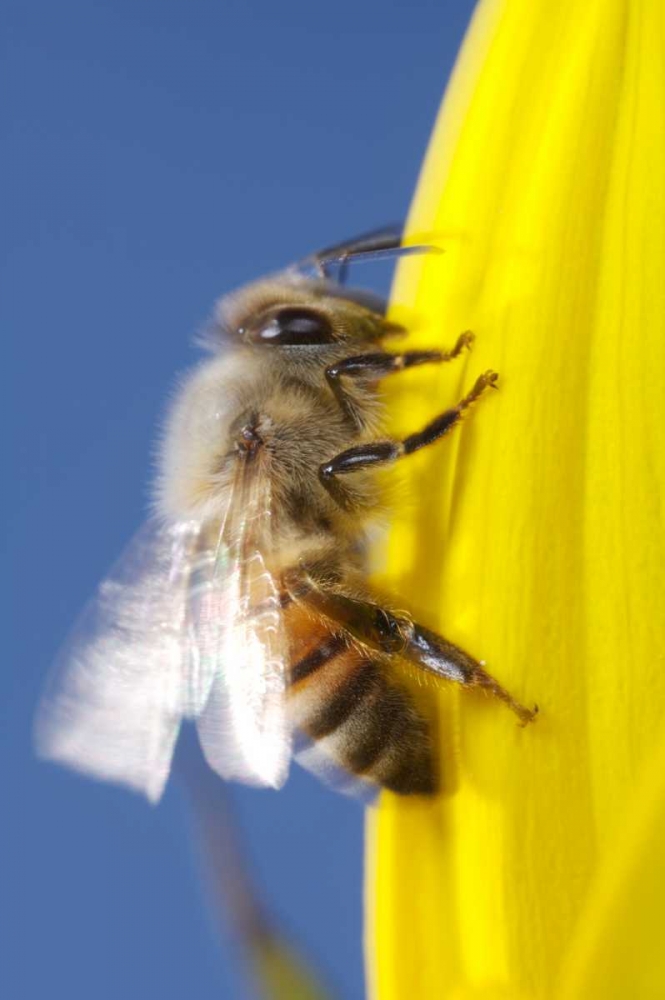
{"points": [[125, 678], [243, 728], [187, 625], [316, 758]]}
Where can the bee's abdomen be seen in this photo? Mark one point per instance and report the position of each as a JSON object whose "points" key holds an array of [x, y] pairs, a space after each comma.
{"points": [[366, 723]]}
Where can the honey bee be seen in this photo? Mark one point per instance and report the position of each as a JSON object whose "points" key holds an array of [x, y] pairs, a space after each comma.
{"points": [[243, 603]]}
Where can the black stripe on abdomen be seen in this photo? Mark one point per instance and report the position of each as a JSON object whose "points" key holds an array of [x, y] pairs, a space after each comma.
{"points": [[367, 723], [326, 651], [390, 742], [344, 700], [375, 726]]}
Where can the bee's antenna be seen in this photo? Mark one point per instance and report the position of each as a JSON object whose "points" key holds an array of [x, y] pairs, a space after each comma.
{"points": [[380, 244]]}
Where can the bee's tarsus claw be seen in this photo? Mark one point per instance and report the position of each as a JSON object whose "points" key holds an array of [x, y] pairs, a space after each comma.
{"points": [[527, 715]]}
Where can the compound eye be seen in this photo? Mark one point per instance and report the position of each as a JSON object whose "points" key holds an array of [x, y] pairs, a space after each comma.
{"points": [[295, 327]]}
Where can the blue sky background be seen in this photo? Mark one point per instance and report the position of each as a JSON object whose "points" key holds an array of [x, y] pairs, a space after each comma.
{"points": [[157, 155]]}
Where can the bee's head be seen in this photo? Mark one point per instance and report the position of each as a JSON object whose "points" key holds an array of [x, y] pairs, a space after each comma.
{"points": [[294, 311]]}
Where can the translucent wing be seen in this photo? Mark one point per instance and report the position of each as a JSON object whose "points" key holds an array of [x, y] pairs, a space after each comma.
{"points": [[187, 625], [124, 680], [243, 727], [316, 758]]}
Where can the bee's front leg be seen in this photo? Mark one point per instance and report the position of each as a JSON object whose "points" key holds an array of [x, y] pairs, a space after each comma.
{"points": [[370, 367]]}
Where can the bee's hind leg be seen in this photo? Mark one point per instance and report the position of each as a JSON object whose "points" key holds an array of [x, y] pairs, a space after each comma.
{"points": [[394, 634], [442, 658]]}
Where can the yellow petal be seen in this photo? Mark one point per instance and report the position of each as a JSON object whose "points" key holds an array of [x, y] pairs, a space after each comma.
{"points": [[618, 950], [537, 534]]}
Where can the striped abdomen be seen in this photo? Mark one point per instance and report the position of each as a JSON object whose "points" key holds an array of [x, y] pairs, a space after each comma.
{"points": [[343, 697]]}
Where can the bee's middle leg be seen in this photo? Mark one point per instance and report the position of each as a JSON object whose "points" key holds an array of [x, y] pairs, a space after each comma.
{"points": [[373, 453]]}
